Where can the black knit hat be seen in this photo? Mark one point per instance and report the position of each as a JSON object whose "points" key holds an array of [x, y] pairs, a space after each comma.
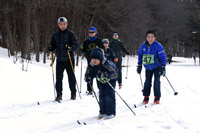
{"points": [[97, 54]]}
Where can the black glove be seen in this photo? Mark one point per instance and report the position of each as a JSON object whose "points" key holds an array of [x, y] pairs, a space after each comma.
{"points": [[162, 70], [50, 48], [69, 48], [139, 68]]}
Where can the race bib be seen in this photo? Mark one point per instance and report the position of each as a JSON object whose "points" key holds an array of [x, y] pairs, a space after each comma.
{"points": [[148, 59]]}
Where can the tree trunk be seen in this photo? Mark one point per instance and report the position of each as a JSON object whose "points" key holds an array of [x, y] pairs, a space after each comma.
{"points": [[36, 36], [11, 45], [27, 30]]}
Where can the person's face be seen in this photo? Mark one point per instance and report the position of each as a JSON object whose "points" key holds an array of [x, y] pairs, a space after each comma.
{"points": [[115, 37], [105, 45], [150, 38], [95, 62], [92, 33], [62, 25]]}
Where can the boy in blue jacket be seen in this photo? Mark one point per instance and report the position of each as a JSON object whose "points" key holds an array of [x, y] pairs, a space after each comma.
{"points": [[105, 71], [152, 55]]}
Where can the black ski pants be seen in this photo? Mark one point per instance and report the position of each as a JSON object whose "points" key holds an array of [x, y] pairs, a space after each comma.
{"points": [[119, 67], [60, 67], [91, 83]]}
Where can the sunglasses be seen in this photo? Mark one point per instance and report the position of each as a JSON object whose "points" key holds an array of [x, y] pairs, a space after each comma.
{"points": [[91, 32]]}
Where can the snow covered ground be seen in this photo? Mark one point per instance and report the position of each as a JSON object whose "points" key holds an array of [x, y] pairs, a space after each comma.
{"points": [[20, 91]]}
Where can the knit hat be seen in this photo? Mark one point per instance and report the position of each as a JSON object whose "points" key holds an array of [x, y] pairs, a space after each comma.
{"points": [[97, 54], [105, 40], [92, 28], [62, 19], [115, 34]]}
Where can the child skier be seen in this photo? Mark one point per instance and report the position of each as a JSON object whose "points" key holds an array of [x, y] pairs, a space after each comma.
{"points": [[64, 41], [152, 55], [108, 53], [105, 71], [88, 45]]}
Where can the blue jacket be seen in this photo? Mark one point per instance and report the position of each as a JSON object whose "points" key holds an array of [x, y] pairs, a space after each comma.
{"points": [[151, 56], [107, 68]]}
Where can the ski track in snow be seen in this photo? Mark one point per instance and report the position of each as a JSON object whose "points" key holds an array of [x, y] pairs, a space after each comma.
{"points": [[20, 92]]}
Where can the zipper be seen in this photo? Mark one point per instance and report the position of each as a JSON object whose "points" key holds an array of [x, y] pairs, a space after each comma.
{"points": [[61, 45], [149, 54]]}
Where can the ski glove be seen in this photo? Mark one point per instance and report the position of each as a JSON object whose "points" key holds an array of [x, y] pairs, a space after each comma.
{"points": [[139, 68], [50, 48], [162, 71], [81, 47], [104, 78], [116, 60], [68, 48]]}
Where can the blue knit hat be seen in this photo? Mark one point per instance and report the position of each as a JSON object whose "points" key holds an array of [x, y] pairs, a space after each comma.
{"points": [[92, 28], [97, 54]]}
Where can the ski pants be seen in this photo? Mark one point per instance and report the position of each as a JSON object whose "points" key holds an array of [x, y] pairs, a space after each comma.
{"points": [[119, 67], [148, 82], [60, 67], [107, 101], [91, 83]]}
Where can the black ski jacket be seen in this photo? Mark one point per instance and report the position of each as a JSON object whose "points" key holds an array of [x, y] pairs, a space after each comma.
{"points": [[117, 46], [109, 54], [88, 46], [59, 41]]}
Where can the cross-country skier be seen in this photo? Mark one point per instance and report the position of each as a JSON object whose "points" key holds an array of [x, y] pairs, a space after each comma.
{"points": [[64, 41], [152, 55], [117, 46], [104, 71], [88, 45], [108, 53]]}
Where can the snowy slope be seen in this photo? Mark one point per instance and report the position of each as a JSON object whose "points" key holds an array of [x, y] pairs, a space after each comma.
{"points": [[20, 91]]}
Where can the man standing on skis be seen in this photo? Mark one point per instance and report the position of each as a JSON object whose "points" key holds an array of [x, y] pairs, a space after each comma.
{"points": [[88, 45], [152, 55], [117, 46], [65, 43], [105, 72]]}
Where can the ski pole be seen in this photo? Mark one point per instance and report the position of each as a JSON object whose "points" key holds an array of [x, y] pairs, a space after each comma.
{"points": [[94, 93], [74, 74], [175, 93], [81, 75], [53, 74], [121, 98], [141, 82], [127, 67]]}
